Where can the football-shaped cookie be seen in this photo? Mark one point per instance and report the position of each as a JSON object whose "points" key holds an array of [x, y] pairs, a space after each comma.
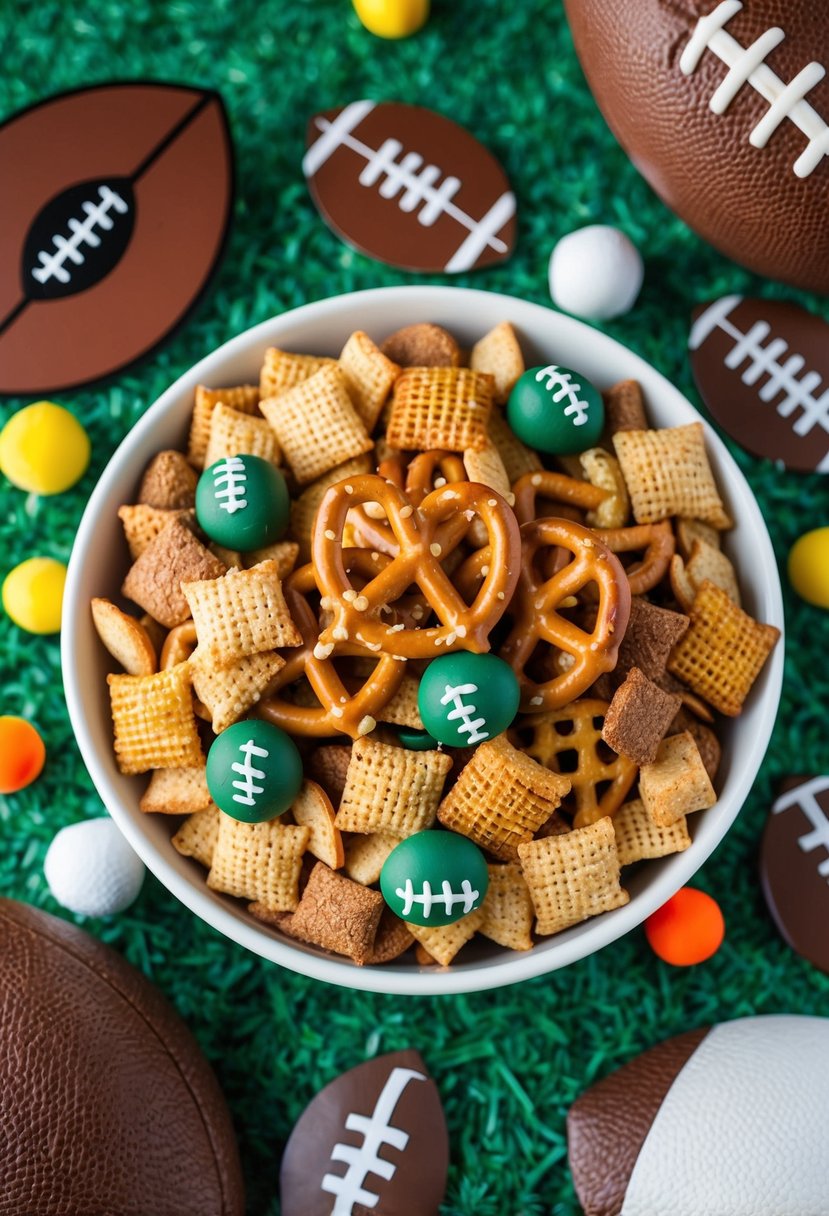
{"points": [[762, 368], [116, 201], [106, 1103], [729, 1120], [409, 187], [375, 1139], [794, 866], [723, 106]]}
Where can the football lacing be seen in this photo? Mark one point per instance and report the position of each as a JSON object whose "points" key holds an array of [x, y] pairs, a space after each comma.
{"points": [[52, 265], [786, 377], [804, 797], [564, 386], [466, 726], [411, 182], [428, 898], [746, 65], [229, 480], [248, 787], [376, 1131]]}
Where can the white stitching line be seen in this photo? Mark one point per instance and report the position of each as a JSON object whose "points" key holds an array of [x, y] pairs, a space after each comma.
{"points": [[248, 787], [453, 695], [565, 387], [52, 265], [427, 898], [803, 796], [229, 479], [746, 66]]}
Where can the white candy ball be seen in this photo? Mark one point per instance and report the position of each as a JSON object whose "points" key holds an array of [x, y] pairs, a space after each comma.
{"points": [[595, 272], [91, 870]]}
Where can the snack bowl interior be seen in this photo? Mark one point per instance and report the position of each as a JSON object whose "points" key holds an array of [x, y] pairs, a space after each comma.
{"points": [[100, 559]]}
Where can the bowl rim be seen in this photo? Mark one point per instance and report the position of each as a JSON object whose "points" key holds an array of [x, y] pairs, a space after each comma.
{"points": [[514, 967]]}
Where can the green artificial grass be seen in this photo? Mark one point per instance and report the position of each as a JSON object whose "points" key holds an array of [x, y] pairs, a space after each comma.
{"points": [[509, 1062]]}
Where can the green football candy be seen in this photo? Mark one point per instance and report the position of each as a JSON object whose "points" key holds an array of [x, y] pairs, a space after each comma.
{"points": [[466, 698], [556, 410], [415, 740], [434, 878], [242, 503], [254, 771]]}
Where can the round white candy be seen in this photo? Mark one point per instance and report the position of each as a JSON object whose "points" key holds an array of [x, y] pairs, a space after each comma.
{"points": [[91, 870], [595, 272]]}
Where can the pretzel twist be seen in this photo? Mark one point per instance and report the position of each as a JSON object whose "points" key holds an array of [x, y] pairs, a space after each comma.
{"points": [[536, 619], [339, 710], [657, 541], [423, 542], [416, 480], [556, 486]]}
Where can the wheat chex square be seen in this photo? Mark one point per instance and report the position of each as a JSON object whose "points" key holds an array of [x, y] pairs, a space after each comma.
{"points": [[155, 726]]}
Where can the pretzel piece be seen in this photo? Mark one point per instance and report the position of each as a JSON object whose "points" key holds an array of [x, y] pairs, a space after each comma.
{"points": [[421, 549], [338, 710], [558, 487], [657, 543], [536, 617]]}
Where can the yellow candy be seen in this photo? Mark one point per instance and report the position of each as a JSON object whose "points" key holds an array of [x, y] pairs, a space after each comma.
{"points": [[33, 594], [392, 18], [43, 448], [809, 567]]}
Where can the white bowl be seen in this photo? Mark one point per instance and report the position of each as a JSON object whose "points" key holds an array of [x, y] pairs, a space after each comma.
{"points": [[99, 557]]}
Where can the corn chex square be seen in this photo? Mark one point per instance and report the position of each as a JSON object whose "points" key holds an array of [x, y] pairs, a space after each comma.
{"points": [[501, 798], [498, 354], [233, 433], [638, 838], [242, 397], [154, 722], [369, 376], [240, 614], [229, 692], [365, 856], [390, 789], [197, 836], [573, 877], [667, 473], [440, 408], [508, 908], [259, 862], [723, 651], [316, 424], [443, 942], [282, 369]]}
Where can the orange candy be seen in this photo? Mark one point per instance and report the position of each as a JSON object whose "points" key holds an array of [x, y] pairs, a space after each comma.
{"points": [[688, 929], [22, 754]]}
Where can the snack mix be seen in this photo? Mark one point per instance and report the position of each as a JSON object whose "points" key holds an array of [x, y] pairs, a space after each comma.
{"points": [[370, 601]]}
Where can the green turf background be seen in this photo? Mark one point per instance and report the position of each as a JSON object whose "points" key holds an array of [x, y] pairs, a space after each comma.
{"points": [[508, 1063]]}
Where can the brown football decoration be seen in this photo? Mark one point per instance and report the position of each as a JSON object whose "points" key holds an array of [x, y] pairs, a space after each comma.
{"points": [[106, 1103], [794, 866], [728, 1120], [762, 368], [375, 1139], [723, 106], [408, 187], [116, 202]]}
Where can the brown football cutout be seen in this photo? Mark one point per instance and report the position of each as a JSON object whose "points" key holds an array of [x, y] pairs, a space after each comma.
{"points": [[794, 866], [375, 1139], [762, 368], [116, 202], [723, 106], [106, 1103], [409, 187], [729, 1119]]}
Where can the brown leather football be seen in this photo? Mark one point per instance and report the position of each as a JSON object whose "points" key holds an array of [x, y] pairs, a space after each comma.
{"points": [[107, 1106], [723, 106]]}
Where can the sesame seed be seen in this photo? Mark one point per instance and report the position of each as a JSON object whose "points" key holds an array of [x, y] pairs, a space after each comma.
{"points": [[460, 630], [536, 479], [395, 628], [325, 603], [367, 724], [451, 638], [492, 502], [406, 511], [349, 489], [435, 549], [588, 544], [594, 645], [417, 612], [536, 700], [330, 534], [401, 658], [440, 482], [375, 557], [340, 633], [484, 571], [501, 595], [343, 700]]}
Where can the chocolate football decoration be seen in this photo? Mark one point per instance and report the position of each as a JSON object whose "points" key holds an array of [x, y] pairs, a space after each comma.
{"points": [[409, 187], [374, 1138], [762, 368], [724, 109], [727, 1120], [794, 866], [108, 1104], [116, 201]]}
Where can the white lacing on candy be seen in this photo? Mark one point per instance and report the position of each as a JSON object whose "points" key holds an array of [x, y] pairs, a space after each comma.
{"points": [[746, 65], [464, 713], [444, 898], [53, 265], [788, 378], [414, 184], [804, 797], [376, 1130], [248, 787], [563, 387], [229, 481]]}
